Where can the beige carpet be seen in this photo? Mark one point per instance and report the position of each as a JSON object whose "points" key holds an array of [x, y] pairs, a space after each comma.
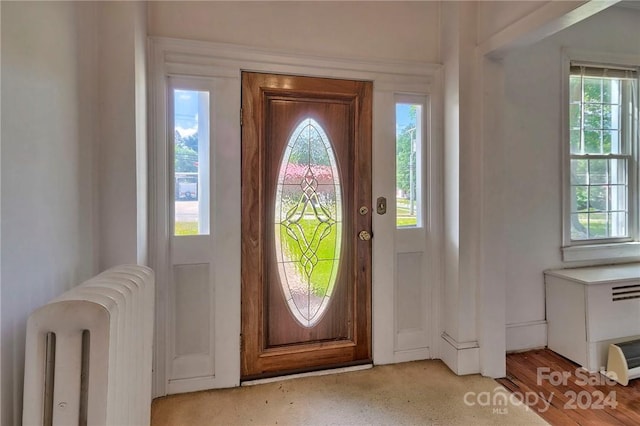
{"points": [[415, 393]]}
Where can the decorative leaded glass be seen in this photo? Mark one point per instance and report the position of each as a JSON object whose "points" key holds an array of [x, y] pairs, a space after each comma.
{"points": [[308, 222]]}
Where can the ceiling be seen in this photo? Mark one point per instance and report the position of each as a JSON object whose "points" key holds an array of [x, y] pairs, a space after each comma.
{"points": [[633, 4]]}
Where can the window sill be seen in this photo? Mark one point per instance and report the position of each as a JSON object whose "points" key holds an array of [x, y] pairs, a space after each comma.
{"points": [[611, 251]]}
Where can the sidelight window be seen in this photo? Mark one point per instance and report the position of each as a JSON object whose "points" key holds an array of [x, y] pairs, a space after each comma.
{"points": [[191, 161], [409, 164]]}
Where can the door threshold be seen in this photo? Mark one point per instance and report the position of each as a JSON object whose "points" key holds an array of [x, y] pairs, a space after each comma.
{"points": [[309, 374]]}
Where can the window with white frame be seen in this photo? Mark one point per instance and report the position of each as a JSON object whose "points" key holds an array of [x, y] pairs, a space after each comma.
{"points": [[409, 161], [602, 205]]}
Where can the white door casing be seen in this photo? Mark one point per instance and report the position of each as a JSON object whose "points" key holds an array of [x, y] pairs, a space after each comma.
{"points": [[214, 292]]}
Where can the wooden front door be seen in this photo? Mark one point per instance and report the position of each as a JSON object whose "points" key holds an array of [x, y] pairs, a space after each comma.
{"points": [[306, 223]]}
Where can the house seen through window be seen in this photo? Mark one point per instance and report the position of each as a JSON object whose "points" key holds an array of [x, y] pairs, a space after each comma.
{"points": [[190, 124], [409, 164]]}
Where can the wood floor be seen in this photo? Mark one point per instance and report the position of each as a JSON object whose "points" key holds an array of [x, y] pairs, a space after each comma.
{"points": [[563, 394]]}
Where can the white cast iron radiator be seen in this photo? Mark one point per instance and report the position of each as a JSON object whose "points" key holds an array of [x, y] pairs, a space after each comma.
{"points": [[89, 352]]}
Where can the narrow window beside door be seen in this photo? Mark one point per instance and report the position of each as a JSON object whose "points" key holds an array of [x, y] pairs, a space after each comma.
{"points": [[191, 162], [409, 165]]}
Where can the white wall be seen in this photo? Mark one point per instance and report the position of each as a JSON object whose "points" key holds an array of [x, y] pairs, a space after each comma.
{"points": [[373, 30], [48, 180], [495, 16], [74, 177], [532, 140], [122, 148]]}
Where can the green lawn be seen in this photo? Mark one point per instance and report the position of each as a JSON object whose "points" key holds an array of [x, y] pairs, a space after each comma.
{"points": [[320, 268], [186, 228], [406, 221], [403, 217], [597, 228]]}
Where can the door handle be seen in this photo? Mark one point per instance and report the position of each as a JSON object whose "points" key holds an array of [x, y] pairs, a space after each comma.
{"points": [[364, 236]]}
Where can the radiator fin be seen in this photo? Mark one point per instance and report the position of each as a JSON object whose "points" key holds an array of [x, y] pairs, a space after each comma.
{"points": [[50, 362], [89, 352]]}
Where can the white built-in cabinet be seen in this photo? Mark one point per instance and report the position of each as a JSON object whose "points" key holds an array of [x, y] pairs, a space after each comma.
{"points": [[589, 308]]}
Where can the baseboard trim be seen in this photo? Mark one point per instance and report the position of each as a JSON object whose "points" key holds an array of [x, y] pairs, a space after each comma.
{"points": [[194, 384], [461, 357], [411, 355], [471, 344], [526, 335]]}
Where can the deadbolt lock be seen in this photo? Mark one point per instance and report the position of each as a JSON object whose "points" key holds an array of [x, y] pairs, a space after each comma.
{"points": [[364, 236], [363, 210], [381, 205]]}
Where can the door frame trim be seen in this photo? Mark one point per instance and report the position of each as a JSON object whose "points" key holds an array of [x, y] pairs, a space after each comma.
{"points": [[207, 60]]}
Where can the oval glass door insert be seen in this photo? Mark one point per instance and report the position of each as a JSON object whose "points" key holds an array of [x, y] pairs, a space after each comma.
{"points": [[308, 222]]}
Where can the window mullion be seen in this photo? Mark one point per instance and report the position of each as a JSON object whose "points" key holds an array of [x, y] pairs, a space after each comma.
{"points": [[582, 143], [601, 157]]}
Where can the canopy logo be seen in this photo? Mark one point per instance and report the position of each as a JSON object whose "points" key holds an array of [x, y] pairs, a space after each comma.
{"points": [[500, 399]]}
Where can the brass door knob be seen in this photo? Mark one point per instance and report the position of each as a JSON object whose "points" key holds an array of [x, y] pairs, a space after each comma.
{"points": [[364, 236]]}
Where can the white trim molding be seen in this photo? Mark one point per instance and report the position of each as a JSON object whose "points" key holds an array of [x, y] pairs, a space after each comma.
{"points": [[411, 355], [550, 18], [623, 252], [461, 357], [199, 58], [526, 335]]}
